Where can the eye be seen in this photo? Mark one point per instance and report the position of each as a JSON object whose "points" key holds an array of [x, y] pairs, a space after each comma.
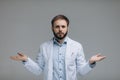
{"points": [[63, 26], [57, 26]]}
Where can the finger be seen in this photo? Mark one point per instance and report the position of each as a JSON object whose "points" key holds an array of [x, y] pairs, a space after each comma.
{"points": [[103, 57], [14, 58], [20, 54], [11, 57], [99, 54]]}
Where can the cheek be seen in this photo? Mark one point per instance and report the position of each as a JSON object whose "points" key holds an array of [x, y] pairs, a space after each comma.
{"points": [[55, 30], [66, 30]]}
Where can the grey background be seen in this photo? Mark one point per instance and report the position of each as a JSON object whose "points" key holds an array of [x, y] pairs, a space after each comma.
{"points": [[25, 24]]}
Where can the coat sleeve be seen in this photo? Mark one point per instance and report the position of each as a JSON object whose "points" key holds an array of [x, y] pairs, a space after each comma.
{"points": [[35, 67], [82, 66]]}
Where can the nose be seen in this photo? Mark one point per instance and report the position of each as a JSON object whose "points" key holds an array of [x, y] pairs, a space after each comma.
{"points": [[60, 28]]}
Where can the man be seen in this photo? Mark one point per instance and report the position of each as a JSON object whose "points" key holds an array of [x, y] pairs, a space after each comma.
{"points": [[61, 58]]}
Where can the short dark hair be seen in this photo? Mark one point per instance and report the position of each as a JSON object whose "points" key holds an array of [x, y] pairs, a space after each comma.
{"points": [[63, 17]]}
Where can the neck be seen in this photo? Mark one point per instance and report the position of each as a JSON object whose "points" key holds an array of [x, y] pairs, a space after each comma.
{"points": [[60, 40]]}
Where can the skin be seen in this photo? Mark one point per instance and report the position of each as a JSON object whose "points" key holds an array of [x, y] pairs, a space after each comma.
{"points": [[60, 30]]}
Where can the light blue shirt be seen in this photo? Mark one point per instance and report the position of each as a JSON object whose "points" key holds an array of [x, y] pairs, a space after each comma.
{"points": [[59, 51]]}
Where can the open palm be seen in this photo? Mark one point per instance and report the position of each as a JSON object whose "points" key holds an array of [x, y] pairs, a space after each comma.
{"points": [[96, 58], [19, 57]]}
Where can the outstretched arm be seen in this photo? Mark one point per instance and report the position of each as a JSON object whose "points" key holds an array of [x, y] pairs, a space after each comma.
{"points": [[32, 66]]}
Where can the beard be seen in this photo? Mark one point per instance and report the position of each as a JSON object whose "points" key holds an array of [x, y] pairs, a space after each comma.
{"points": [[59, 35]]}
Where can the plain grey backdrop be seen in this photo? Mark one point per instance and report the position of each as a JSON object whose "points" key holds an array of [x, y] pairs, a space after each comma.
{"points": [[25, 24]]}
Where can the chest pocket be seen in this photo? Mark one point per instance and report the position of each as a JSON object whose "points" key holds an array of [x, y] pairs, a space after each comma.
{"points": [[72, 58]]}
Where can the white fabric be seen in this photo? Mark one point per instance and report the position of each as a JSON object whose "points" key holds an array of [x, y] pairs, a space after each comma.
{"points": [[74, 61]]}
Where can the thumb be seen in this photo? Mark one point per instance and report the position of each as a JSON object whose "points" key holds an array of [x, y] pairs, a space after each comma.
{"points": [[20, 54]]}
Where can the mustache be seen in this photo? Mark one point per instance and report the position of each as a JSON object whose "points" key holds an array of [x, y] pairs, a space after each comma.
{"points": [[60, 32]]}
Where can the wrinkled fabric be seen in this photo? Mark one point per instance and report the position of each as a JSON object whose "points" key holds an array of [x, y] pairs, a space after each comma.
{"points": [[75, 62]]}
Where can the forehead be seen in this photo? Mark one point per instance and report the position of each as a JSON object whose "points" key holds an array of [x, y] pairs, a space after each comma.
{"points": [[60, 22]]}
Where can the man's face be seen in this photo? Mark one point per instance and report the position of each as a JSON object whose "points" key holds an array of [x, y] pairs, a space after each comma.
{"points": [[60, 29]]}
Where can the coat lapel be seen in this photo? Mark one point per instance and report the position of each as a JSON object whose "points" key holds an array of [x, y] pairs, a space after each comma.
{"points": [[66, 56], [50, 61]]}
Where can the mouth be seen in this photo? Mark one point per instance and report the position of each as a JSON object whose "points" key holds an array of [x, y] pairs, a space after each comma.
{"points": [[60, 33]]}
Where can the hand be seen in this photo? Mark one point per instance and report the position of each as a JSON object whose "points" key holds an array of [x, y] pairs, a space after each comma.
{"points": [[19, 57], [96, 58]]}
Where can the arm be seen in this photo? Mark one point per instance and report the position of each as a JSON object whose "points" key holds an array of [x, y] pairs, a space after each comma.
{"points": [[32, 66], [84, 67]]}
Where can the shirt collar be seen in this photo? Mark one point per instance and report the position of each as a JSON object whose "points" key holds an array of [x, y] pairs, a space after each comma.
{"points": [[64, 42]]}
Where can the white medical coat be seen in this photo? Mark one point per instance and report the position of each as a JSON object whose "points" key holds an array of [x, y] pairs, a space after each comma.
{"points": [[74, 61]]}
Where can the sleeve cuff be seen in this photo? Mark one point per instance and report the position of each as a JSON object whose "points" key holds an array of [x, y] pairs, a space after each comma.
{"points": [[92, 65], [25, 61]]}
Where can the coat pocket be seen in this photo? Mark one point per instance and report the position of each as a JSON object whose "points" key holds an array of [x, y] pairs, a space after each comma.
{"points": [[72, 59]]}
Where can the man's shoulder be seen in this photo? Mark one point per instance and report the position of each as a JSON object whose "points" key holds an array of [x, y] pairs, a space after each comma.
{"points": [[46, 43], [74, 42]]}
